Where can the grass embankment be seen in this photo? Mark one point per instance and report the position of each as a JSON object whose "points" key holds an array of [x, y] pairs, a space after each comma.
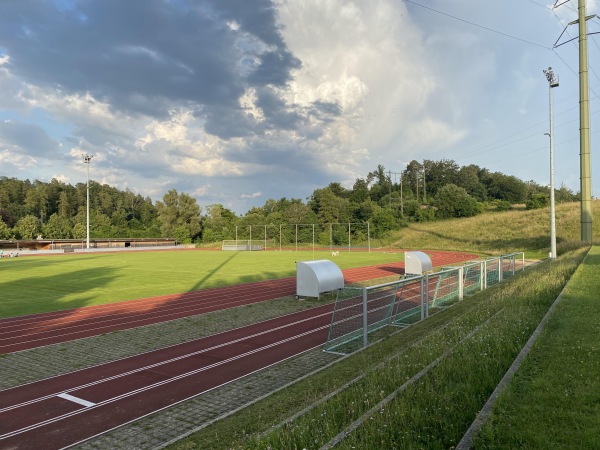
{"points": [[501, 232], [47, 283], [459, 356], [553, 401]]}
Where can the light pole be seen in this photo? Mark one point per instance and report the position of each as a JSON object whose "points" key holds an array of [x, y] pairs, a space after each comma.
{"points": [[552, 83], [86, 159]]}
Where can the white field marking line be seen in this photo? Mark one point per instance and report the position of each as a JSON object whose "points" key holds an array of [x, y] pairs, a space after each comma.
{"points": [[77, 400], [155, 385], [210, 422], [138, 317], [158, 364], [106, 312]]}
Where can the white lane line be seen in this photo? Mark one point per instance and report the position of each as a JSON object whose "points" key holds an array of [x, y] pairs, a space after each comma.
{"points": [[107, 324], [167, 361], [158, 384], [76, 399]]}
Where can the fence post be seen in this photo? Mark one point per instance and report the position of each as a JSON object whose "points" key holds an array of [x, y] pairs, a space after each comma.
{"points": [[461, 283], [426, 294], [500, 269], [365, 320], [484, 279], [523, 261]]}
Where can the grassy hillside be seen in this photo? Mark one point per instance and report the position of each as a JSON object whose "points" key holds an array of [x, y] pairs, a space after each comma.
{"points": [[501, 232]]}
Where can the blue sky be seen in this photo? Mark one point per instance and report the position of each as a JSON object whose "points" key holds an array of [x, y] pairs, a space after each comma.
{"points": [[236, 101]]}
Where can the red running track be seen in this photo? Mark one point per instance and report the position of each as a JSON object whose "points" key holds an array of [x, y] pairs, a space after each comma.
{"points": [[68, 409], [25, 332]]}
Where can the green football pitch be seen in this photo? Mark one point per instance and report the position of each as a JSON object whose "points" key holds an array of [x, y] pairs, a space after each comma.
{"points": [[36, 284]]}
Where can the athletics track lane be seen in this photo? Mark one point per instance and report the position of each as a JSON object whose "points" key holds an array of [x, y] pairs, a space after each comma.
{"points": [[25, 332], [65, 410]]}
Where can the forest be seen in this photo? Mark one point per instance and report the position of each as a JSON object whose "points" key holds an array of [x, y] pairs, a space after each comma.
{"points": [[426, 191]]}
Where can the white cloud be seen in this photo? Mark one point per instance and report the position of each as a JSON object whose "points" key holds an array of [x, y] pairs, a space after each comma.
{"points": [[253, 195]]}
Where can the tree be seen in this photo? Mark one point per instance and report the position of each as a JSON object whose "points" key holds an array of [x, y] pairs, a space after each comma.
{"points": [[360, 191], [453, 201], [438, 174], [332, 209], [218, 223], [505, 187], [468, 178], [57, 227], [5, 231], [411, 177], [178, 210], [36, 200], [28, 227], [384, 221]]}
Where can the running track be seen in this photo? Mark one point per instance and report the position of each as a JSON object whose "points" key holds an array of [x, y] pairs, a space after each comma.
{"points": [[65, 410], [25, 332]]}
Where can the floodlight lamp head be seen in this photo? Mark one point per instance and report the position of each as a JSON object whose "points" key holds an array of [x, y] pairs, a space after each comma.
{"points": [[550, 77]]}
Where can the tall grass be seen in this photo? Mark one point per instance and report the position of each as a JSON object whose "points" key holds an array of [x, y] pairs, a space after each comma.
{"points": [[501, 232]]}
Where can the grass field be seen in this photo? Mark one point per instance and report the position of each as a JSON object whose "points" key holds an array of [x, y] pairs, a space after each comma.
{"points": [[554, 401], [47, 283]]}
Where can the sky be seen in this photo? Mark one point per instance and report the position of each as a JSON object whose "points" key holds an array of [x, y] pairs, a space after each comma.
{"points": [[237, 101]]}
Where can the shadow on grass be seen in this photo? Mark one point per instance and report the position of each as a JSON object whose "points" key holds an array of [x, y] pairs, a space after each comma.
{"points": [[31, 296], [28, 262]]}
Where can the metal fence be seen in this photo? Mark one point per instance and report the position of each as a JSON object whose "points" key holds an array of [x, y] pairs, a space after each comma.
{"points": [[361, 312]]}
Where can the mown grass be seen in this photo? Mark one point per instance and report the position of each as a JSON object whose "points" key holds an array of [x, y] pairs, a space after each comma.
{"points": [[470, 345], [501, 232], [47, 283], [553, 401]]}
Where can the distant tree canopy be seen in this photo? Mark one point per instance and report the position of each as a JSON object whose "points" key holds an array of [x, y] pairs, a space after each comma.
{"points": [[424, 191]]}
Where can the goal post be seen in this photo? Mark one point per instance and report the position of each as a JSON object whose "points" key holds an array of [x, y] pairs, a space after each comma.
{"points": [[361, 311], [248, 244]]}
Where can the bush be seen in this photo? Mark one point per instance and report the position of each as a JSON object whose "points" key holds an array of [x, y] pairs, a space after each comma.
{"points": [[453, 201], [502, 205], [537, 201]]}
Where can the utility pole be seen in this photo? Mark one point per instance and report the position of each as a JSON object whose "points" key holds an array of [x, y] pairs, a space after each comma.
{"points": [[424, 187], [584, 122], [390, 173], [552, 83], [86, 160], [584, 128]]}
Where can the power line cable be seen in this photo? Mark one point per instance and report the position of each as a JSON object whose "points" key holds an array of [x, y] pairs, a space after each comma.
{"points": [[477, 25]]}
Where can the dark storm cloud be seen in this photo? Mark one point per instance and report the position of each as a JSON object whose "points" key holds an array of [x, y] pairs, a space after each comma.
{"points": [[27, 139], [144, 56]]}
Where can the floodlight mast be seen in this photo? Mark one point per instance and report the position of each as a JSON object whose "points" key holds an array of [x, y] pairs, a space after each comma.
{"points": [[552, 83], [86, 159]]}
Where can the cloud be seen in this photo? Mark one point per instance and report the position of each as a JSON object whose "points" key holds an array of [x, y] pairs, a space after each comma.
{"points": [[223, 98], [27, 139], [253, 195]]}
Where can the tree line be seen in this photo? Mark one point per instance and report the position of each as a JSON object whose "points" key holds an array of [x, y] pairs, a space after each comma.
{"points": [[430, 190]]}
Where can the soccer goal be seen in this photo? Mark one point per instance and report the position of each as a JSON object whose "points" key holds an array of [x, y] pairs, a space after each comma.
{"points": [[248, 244], [361, 311]]}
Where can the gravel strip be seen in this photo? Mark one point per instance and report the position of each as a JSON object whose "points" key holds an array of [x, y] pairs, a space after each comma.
{"points": [[176, 422]]}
